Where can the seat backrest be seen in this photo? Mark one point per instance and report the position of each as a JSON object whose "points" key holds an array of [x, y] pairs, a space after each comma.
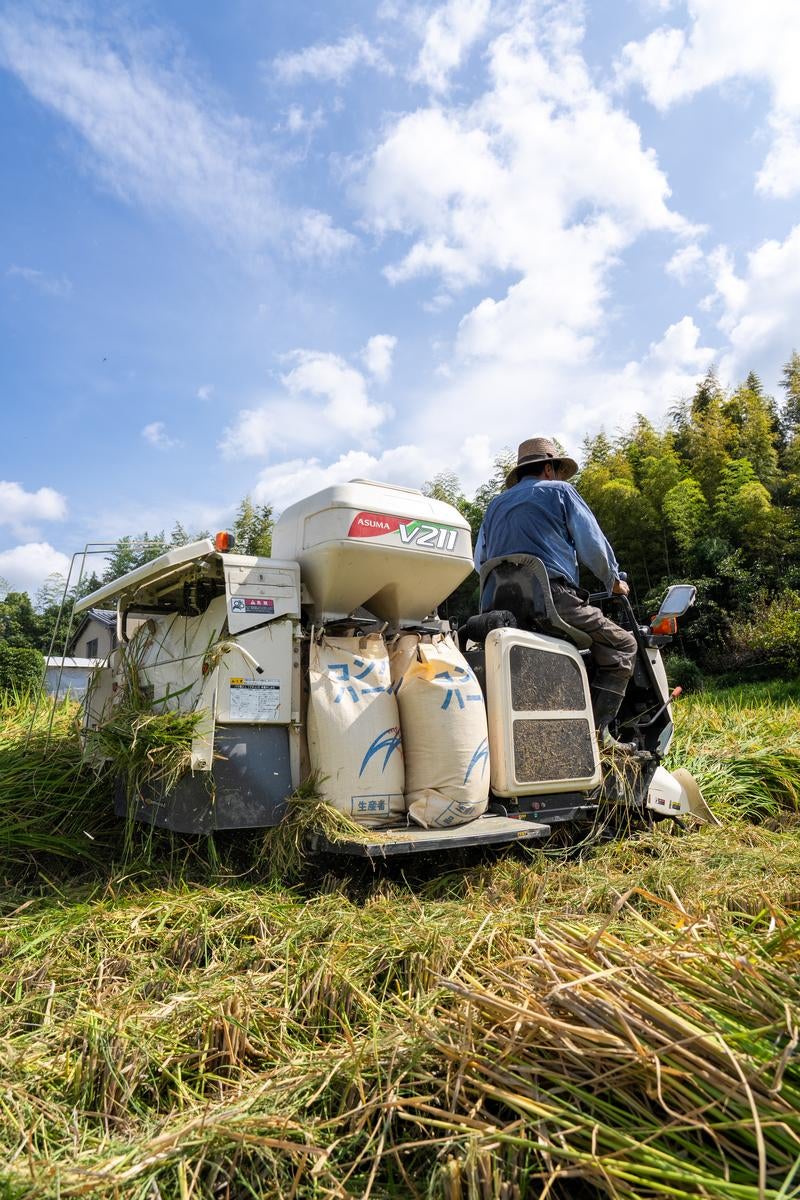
{"points": [[520, 583]]}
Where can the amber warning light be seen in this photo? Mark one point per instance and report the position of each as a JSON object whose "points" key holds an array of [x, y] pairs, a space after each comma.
{"points": [[224, 541], [662, 626]]}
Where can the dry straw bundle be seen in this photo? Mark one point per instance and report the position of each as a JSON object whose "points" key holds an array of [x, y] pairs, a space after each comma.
{"points": [[233, 1042]]}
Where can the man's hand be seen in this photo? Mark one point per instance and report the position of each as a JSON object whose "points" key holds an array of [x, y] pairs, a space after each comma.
{"points": [[620, 588]]}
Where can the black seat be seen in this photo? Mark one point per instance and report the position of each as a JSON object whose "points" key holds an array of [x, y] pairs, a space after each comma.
{"points": [[520, 584]]}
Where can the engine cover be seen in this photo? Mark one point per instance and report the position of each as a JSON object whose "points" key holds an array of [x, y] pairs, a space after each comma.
{"points": [[541, 727]]}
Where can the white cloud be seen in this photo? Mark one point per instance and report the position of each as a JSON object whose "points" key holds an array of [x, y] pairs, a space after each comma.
{"points": [[325, 400], [685, 262], [18, 508], [722, 42], [155, 434], [48, 285], [331, 62], [300, 123], [315, 235], [283, 483], [205, 391], [668, 372], [759, 309], [540, 170], [26, 567], [377, 356], [513, 398], [540, 178], [450, 31], [154, 137], [555, 400], [406, 465], [566, 404], [342, 387]]}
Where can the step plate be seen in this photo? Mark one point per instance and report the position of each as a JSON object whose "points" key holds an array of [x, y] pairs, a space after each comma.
{"points": [[411, 839]]}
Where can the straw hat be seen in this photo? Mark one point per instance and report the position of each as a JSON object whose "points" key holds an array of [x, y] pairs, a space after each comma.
{"points": [[541, 450]]}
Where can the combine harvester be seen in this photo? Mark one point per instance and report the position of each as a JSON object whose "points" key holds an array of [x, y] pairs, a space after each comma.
{"points": [[318, 660]]}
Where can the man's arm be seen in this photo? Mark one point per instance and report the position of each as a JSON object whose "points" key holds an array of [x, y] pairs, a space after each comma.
{"points": [[591, 545]]}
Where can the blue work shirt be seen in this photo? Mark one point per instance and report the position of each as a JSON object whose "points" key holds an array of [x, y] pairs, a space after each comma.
{"points": [[547, 518]]}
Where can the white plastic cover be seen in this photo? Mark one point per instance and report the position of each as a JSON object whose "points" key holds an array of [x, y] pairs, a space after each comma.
{"points": [[389, 549], [541, 726]]}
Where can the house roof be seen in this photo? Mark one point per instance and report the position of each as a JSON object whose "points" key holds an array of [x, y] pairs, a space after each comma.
{"points": [[66, 663], [103, 615]]}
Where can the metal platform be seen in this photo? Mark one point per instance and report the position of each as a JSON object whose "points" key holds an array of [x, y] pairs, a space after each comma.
{"points": [[488, 830], [573, 812]]}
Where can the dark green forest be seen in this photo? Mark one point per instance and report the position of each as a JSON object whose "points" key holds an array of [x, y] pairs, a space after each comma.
{"points": [[712, 497]]}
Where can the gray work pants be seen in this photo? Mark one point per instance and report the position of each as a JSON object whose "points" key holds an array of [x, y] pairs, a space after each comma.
{"points": [[613, 649]]}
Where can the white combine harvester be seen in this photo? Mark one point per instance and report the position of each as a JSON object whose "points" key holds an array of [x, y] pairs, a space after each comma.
{"points": [[228, 635]]}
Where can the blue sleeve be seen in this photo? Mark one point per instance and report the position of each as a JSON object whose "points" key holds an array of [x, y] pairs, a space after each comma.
{"points": [[480, 549], [591, 544]]}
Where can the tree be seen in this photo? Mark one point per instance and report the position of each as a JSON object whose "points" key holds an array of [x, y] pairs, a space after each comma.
{"points": [[179, 536], [19, 626], [752, 514], [658, 473], [632, 526], [641, 445], [686, 512], [252, 528], [604, 463], [123, 558], [743, 511], [708, 394], [21, 669], [709, 435], [150, 547], [753, 429], [444, 486], [51, 592], [790, 382]]}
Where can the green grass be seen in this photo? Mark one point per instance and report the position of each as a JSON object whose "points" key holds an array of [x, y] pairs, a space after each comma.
{"points": [[51, 803], [624, 1024], [743, 747]]}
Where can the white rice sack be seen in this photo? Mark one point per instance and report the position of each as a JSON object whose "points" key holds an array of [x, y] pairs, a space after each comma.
{"points": [[354, 729], [445, 735]]}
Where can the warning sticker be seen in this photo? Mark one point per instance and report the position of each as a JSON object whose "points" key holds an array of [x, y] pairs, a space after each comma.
{"points": [[252, 604], [254, 699]]}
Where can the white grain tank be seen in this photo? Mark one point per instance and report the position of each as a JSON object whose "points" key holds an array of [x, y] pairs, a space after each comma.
{"points": [[388, 549]]}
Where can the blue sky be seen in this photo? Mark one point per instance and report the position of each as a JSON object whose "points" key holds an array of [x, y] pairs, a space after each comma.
{"points": [[259, 247]]}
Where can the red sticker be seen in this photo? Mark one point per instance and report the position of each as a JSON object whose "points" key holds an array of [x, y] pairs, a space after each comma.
{"points": [[368, 524]]}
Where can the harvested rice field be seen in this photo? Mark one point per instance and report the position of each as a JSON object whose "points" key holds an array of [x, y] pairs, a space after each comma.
{"points": [[183, 1022]]}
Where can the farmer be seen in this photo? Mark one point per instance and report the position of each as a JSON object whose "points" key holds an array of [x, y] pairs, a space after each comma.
{"points": [[540, 513]]}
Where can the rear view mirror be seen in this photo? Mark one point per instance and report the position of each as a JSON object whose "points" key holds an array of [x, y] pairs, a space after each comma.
{"points": [[679, 597]]}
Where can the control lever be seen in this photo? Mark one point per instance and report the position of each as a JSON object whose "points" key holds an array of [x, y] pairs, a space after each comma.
{"points": [[674, 694]]}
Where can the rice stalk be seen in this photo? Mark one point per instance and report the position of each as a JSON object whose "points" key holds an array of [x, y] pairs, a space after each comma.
{"points": [[284, 848], [744, 751], [50, 802]]}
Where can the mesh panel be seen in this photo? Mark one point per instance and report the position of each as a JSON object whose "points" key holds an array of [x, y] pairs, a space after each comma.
{"points": [[558, 749], [542, 681]]}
